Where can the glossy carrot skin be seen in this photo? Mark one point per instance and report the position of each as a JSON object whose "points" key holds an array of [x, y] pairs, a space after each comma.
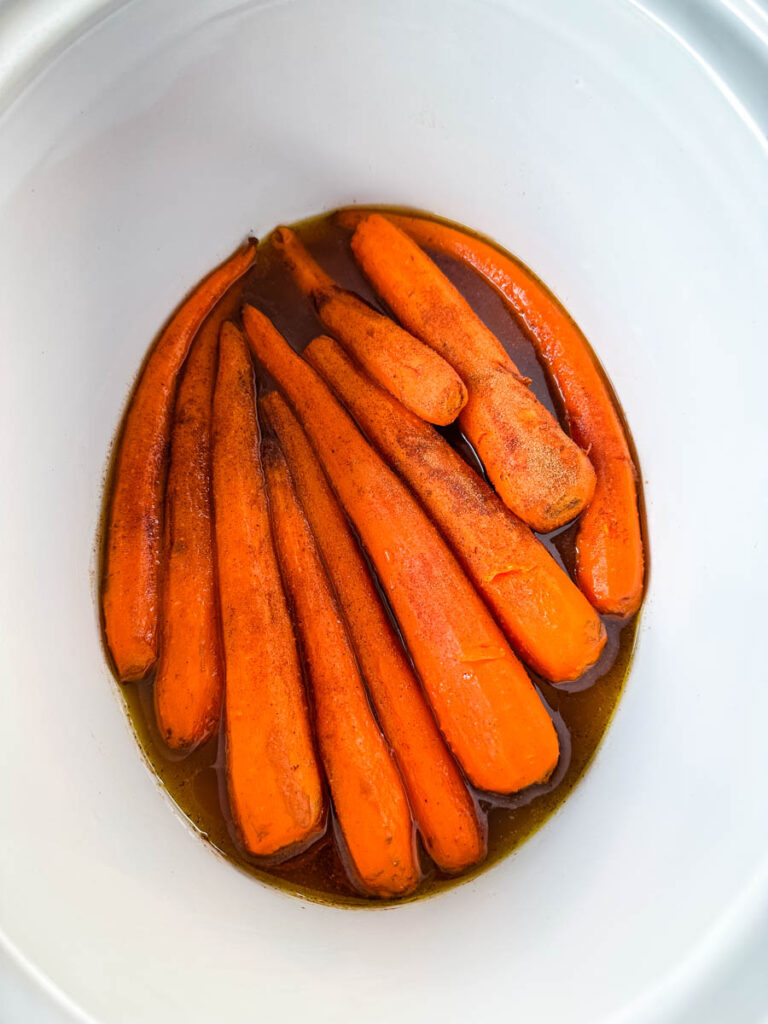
{"points": [[536, 469], [273, 778], [189, 680], [610, 563], [487, 708], [367, 792], [547, 619], [422, 380], [444, 810], [133, 543]]}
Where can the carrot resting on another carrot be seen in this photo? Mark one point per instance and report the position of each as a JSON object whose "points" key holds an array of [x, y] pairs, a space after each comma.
{"points": [[130, 585], [367, 792], [189, 679], [537, 470], [548, 620], [441, 803], [609, 546], [487, 708], [273, 779], [422, 380]]}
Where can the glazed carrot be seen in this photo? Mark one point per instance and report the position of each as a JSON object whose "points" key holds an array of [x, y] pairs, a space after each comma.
{"points": [[367, 792], [609, 546], [422, 380], [537, 470], [132, 550], [273, 779], [189, 681], [442, 806], [547, 619], [486, 707]]}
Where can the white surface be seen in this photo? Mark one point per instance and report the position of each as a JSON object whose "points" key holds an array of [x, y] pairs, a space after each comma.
{"points": [[588, 140]]}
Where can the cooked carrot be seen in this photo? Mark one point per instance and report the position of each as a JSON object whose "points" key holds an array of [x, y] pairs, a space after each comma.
{"points": [[442, 806], [486, 707], [133, 545], [537, 470], [367, 792], [273, 779], [609, 545], [189, 680], [548, 620], [423, 381]]}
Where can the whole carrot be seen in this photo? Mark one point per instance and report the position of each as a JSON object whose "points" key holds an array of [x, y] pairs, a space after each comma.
{"points": [[548, 620], [273, 779], [609, 546], [367, 792], [133, 542], [189, 680], [537, 470], [422, 380], [441, 803], [487, 708]]}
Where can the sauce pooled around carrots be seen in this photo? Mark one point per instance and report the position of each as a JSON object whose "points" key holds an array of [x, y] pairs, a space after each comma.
{"points": [[353, 663]]}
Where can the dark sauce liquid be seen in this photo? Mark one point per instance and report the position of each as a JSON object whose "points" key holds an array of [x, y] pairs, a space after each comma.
{"points": [[581, 710]]}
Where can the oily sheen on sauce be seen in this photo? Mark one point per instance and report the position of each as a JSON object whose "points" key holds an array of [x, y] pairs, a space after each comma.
{"points": [[581, 710]]}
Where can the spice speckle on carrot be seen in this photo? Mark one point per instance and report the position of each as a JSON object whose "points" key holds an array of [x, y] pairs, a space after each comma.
{"points": [[548, 620], [538, 471], [273, 779], [132, 550], [423, 381], [444, 810], [368, 796], [609, 546], [189, 679], [486, 706]]}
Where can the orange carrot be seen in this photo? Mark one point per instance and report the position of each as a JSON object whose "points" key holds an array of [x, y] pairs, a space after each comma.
{"points": [[188, 683], [422, 380], [487, 708], [442, 806], [537, 470], [545, 616], [275, 789], [133, 544], [609, 546], [367, 792]]}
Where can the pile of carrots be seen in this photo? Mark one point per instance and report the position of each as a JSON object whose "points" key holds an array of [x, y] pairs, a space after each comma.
{"points": [[259, 548]]}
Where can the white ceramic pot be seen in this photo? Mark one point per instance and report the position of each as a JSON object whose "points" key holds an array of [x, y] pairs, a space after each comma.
{"points": [[624, 163]]}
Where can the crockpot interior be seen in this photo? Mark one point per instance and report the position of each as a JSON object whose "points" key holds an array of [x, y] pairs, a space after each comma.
{"points": [[590, 143]]}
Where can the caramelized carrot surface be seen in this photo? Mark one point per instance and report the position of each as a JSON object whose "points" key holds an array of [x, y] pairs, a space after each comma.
{"points": [[536, 469], [421, 379], [545, 616], [189, 679], [132, 551], [441, 803], [368, 795], [327, 680], [609, 547], [273, 779], [487, 708]]}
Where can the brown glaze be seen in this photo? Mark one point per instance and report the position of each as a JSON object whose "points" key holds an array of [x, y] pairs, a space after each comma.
{"points": [[581, 710]]}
